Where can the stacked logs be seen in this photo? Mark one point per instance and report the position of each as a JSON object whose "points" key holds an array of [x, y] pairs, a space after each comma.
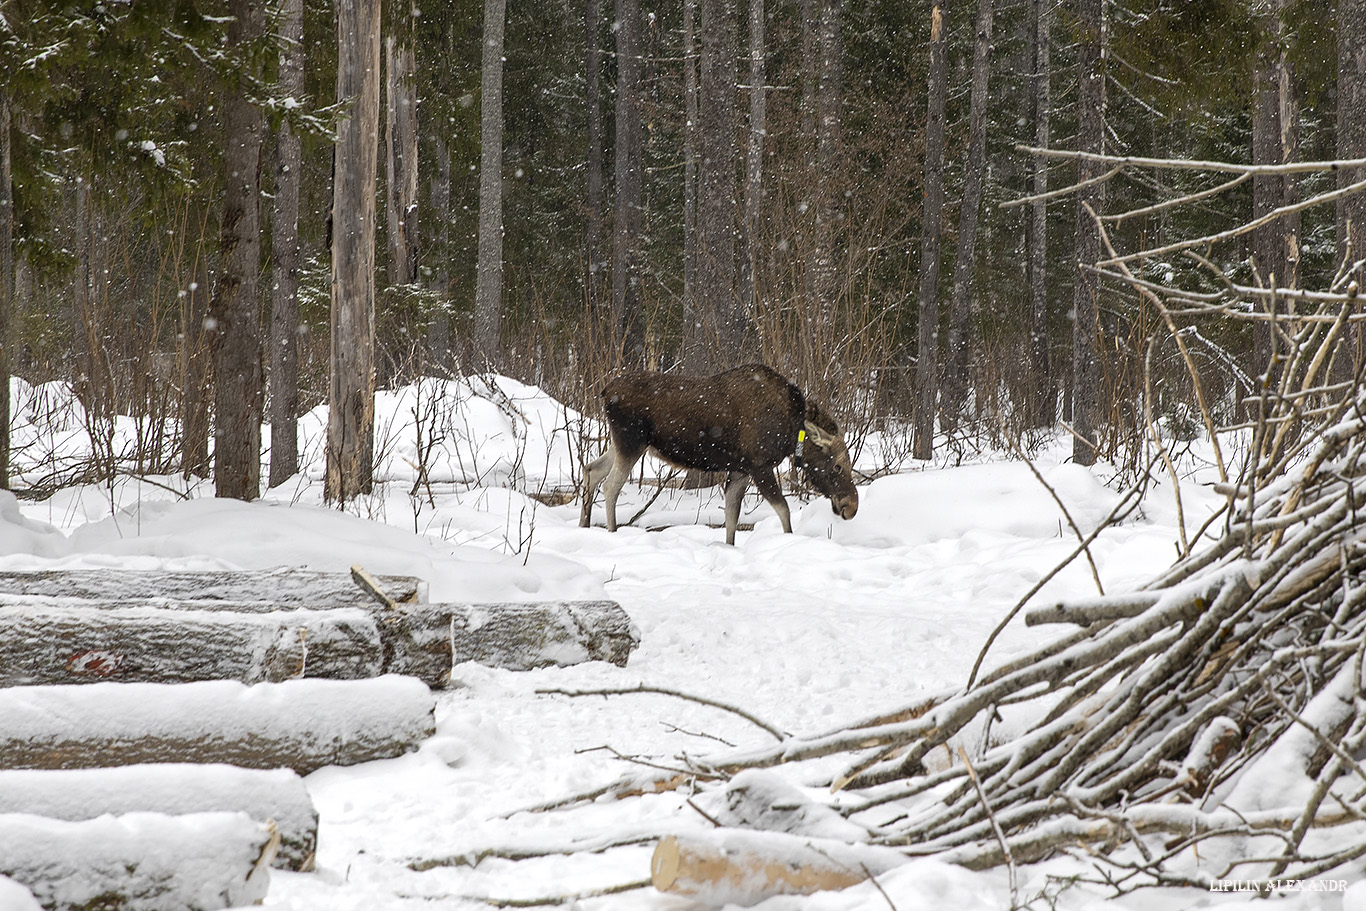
{"points": [[154, 726]]}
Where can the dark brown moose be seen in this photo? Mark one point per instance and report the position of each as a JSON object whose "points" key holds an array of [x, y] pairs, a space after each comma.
{"points": [[743, 422]]}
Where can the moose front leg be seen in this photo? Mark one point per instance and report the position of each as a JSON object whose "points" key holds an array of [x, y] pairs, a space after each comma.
{"points": [[735, 492], [767, 484]]}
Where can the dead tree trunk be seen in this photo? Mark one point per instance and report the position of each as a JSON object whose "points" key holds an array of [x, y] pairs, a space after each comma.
{"points": [[962, 303], [488, 294], [235, 308], [1090, 138], [284, 309], [927, 360], [351, 411]]}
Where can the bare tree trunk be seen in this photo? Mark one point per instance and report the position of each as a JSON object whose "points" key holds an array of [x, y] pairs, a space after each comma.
{"points": [[235, 308], [962, 303], [692, 355], [723, 323], [351, 412], [196, 364], [1351, 131], [754, 161], [1044, 396], [400, 131], [828, 142], [6, 282], [284, 309], [594, 198], [1268, 190], [488, 295], [1090, 138], [1288, 111], [932, 221], [628, 332], [439, 334]]}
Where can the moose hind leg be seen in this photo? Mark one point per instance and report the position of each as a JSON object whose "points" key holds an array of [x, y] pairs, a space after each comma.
{"points": [[622, 464], [772, 492], [736, 483], [593, 474]]}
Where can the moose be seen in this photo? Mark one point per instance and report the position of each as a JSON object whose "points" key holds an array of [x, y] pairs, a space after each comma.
{"points": [[743, 422]]}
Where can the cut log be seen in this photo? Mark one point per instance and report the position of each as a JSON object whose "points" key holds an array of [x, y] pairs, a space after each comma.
{"points": [[299, 724], [285, 585], [733, 866], [426, 640], [275, 795], [45, 642], [139, 862]]}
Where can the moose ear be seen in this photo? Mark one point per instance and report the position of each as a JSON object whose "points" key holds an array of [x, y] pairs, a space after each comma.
{"points": [[820, 438], [817, 416]]}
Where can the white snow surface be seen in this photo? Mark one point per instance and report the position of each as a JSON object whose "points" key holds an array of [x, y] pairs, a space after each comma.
{"points": [[807, 631]]}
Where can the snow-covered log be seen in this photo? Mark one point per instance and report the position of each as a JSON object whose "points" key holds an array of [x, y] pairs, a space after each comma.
{"points": [[277, 795], [139, 861], [46, 641], [298, 724], [16, 897], [735, 866], [428, 639], [299, 587]]}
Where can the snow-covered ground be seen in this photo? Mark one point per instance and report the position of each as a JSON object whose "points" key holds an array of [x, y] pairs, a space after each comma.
{"points": [[837, 621]]}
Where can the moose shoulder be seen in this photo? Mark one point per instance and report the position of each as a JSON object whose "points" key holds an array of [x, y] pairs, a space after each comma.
{"points": [[743, 422]]}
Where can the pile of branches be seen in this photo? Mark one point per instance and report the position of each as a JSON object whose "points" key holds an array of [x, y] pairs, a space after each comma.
{"points": [[1209, 726]]}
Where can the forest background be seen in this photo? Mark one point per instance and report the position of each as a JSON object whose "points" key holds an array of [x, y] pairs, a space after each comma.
{"points": [[219, 212]]}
